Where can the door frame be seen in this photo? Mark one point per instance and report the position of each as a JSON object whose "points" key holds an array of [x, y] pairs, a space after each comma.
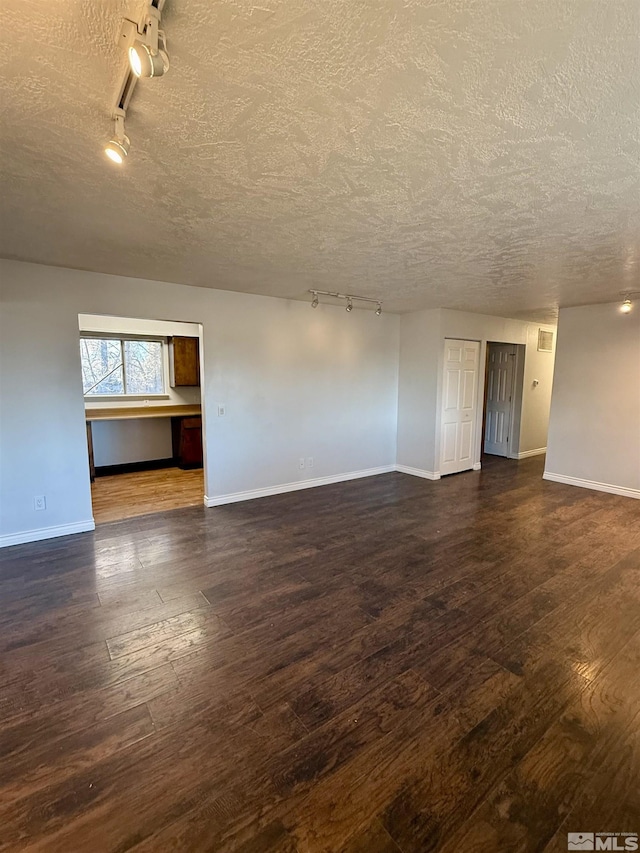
{"points": [[517, 384], [201, 353], [482, 371]]}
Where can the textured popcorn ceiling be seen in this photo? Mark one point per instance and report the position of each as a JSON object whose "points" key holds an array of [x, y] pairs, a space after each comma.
{"points": [[471, 154]]}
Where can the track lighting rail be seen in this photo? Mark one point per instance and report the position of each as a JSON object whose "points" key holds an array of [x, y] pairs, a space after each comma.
{"points": [[146, 48], [350, 297]]}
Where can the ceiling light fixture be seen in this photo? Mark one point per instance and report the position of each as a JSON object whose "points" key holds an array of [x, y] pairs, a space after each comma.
{"points": [[146, 48], [117, 148], [147, 45], [627, 304], [350, 297]]}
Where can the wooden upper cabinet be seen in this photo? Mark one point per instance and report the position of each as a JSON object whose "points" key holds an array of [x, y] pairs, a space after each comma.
{"points": [[184, 361]]}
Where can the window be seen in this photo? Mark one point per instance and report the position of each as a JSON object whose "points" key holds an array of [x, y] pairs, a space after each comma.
{"points": [[121, 366]]}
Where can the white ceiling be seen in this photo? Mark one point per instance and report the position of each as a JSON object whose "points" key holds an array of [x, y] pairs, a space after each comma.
{"points": [[471, 154]]}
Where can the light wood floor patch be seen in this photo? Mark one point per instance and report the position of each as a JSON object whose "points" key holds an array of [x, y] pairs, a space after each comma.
{"points": [[143, 492]]}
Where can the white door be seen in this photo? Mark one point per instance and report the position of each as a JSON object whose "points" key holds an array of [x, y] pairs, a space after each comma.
{"points": [[459, 403], [500, 373]]}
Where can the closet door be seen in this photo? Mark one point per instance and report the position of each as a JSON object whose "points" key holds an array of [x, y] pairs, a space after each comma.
{"points": [[459, 404]]}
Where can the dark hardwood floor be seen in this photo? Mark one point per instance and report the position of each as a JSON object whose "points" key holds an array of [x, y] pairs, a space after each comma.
{"points": [[383, 665]]}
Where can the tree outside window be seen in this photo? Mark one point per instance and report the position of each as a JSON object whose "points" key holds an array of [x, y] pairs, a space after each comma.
{"points": [[120, 367]]}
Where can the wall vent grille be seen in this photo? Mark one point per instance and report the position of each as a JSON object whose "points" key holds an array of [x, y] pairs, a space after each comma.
{"points": [[545, 341]]}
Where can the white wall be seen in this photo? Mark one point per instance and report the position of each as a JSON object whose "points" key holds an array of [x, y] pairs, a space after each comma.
{"points": [[421, 364], [594, 429], [418, 389], [144, 439], [536, 400], [296, 382], [136, 440], [136, 326]]}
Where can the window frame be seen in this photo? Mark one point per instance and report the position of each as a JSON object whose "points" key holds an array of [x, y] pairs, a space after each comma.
{"points": [[122, 338]]}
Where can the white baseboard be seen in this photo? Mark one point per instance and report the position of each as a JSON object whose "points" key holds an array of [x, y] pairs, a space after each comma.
{"points": [[418, 472], [477, 466], [525, 454], [592, 484], [46, 533], [251, 494]]}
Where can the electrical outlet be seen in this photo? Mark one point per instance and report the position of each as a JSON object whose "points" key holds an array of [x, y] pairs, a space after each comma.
{"points": [[222, 410], [310, 462], [39, 503], [301, 463]]}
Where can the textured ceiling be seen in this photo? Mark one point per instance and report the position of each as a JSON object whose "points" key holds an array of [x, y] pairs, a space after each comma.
{"points": [[471, 154]]}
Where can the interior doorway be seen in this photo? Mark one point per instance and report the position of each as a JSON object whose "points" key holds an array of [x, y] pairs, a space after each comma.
{"points": [[504, 372], [142, 386]]}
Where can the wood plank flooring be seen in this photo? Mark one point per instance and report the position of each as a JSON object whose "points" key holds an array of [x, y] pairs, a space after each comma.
{"points": [[128, 495], [382, 665]]}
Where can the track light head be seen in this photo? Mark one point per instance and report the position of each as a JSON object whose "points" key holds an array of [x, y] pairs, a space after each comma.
{"points": [[117, 150], [315, 300], [626, 306], [145, 62], [379, 309], [147, 45], [349, 305]]}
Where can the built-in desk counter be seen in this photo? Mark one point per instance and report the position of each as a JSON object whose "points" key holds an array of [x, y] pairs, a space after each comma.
{"points": [[122, 413], [186, 429]]}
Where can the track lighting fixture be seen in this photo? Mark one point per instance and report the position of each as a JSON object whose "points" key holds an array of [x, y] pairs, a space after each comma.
{"points": [[147, 46], [145, 63], [627, 305], [350, 297], [117, 149]]}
